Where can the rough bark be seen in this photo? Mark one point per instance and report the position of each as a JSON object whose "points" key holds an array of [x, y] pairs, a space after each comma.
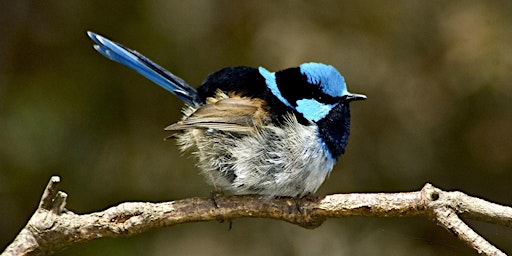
{"points": [[53, 227]]}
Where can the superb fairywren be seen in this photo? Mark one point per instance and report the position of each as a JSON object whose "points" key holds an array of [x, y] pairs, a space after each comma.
{"points": [[256, 131]]}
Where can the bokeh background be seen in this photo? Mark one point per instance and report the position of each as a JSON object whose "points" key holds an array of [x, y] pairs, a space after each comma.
{"points": [[437, 75]]}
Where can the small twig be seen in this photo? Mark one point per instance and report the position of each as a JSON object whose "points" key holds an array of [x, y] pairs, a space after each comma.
{"points": [[446, 206], [49, 193], [448, 219], [52, 227]]}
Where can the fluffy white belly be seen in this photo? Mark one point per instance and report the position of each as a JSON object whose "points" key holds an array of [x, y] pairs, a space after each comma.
{"points": [[274, 161]]}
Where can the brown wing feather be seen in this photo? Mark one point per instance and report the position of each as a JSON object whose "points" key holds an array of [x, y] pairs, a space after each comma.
{"points": [[233, 114]]}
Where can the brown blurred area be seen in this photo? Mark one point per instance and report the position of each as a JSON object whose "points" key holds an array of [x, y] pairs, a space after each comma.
{"points": [[437, 75]]}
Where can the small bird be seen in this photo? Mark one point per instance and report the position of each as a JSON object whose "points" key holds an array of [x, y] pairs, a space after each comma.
{"points": [[254, 131]]}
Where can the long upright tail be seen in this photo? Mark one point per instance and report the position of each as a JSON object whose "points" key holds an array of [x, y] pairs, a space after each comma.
{"points": [[145, 67]]}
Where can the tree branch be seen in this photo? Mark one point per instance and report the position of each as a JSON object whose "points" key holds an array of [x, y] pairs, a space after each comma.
{"points": [[52, 227]]}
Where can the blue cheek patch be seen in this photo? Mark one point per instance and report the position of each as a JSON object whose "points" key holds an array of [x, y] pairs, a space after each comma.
{"points": [[314, 110], [270, 80], [331, 82]]}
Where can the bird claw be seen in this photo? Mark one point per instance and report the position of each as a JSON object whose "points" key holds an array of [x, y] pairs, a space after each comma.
{"points": [[299, 200], [214, 195]]}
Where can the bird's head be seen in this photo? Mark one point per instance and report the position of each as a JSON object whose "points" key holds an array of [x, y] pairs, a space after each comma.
{"points": [[312, 89]]}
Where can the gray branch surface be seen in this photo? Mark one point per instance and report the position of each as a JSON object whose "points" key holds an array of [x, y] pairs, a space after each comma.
{"points": [[52, 227]]}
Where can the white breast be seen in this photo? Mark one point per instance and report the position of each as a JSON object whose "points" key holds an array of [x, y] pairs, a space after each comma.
{"points": [[288, 161], [276, 161]]}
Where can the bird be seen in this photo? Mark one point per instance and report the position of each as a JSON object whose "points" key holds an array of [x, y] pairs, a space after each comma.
{"points": [[254, 131]]}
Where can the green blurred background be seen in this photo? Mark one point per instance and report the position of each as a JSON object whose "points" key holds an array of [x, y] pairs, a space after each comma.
{"points": [[437, 75]]}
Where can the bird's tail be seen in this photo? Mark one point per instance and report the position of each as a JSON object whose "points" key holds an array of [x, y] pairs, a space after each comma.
{"points": [[145, 67]]}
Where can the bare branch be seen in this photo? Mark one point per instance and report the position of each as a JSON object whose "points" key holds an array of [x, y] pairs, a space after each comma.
{"points": [[52, 227], [447, 218]]}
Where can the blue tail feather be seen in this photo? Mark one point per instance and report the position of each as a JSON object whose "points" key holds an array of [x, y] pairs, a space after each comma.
{"points": [[145, 67]]}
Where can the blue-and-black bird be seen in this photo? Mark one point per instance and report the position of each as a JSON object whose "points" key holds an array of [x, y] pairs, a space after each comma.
{"points": [[252, 130]]}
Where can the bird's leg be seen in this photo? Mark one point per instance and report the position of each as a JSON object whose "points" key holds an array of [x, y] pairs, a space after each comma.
{"points": [[216, 193], [301, 199]]}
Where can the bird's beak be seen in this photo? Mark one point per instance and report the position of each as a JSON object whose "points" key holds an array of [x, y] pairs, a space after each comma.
{"points": [[354, 97]]}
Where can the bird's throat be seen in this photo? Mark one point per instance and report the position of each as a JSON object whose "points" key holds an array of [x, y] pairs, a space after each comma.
{"points": [[334, 129]]}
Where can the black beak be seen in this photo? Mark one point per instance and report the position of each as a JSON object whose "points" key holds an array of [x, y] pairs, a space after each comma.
{"points": [[354, 97]]}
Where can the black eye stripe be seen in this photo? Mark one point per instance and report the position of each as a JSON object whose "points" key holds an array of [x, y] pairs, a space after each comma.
{"points": [[294, 86]]}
